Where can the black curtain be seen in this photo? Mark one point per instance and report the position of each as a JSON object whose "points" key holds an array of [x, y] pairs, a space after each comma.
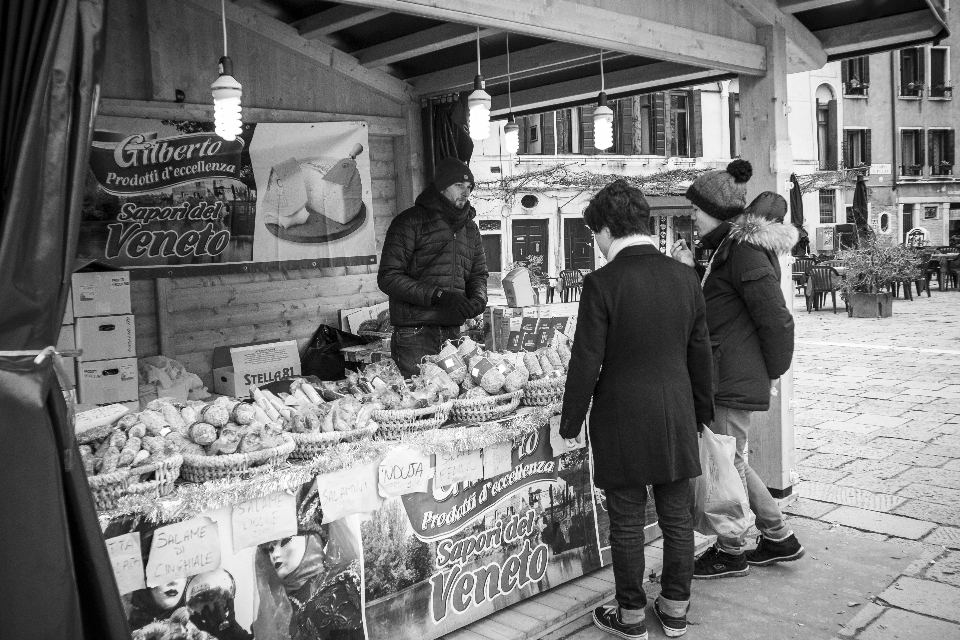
{"points": [[57, 579], [802, 247], [446, 132]]}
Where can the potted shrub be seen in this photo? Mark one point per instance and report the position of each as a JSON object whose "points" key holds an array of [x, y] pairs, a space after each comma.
{"points": [[871, 268]]}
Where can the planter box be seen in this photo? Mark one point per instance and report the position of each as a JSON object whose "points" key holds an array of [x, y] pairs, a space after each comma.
{"points": [[871, 305]]}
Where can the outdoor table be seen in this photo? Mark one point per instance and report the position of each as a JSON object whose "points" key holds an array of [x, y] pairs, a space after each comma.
{"points": [[943, 258]]}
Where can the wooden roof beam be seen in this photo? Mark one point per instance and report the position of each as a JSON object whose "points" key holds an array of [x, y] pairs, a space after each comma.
{"points": [[796, 6], [417, 44], [592, 26], [633, 80], [286, 36], [337, 19], [537, 60], [804, 50], [882, 32]]}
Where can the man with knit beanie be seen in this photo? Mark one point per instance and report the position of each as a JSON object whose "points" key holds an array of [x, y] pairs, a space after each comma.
{"points": [[751, 330], [433, 267]]}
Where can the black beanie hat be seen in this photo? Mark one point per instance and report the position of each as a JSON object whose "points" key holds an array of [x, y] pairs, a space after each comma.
{"points": [[722, 194], [451, 171], [770, 205]]}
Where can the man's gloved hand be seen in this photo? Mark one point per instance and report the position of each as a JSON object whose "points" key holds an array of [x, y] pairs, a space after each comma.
{"points": [[478, 307], [455, 301]]}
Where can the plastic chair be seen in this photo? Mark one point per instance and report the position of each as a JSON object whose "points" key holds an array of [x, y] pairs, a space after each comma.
{"points": [[572, 284], [800, 268], [953, 273], [821, 282]]}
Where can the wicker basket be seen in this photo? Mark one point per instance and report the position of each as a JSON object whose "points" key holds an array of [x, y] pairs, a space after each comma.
{"points": [[396, 422], [165, 472], [109, 487], [483, 409], [203, 468], [311, 444], [539, 393]]}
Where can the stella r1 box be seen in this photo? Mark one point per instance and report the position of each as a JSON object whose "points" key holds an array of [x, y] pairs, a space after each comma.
{"points": [[237, 367]]}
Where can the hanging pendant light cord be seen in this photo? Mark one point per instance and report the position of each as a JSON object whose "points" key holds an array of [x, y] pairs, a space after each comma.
{"points": [[223, 14], [478, 51], [509, 97], [601, 71]]}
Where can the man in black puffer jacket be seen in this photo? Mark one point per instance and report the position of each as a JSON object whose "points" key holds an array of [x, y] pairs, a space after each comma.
{"points": [[751, 332], [433, 267]]}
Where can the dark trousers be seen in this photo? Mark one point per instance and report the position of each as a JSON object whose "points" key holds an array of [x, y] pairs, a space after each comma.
{"points": [[409, 344], [626, 508]]}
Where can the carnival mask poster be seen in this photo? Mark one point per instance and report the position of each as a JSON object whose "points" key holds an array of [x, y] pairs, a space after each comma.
{"points": [[172, 196]]}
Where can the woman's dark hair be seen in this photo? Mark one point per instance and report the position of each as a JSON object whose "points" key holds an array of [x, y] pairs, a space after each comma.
{"points": [[620, 208]]}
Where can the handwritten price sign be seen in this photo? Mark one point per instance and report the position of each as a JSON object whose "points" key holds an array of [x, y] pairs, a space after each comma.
{"points": [[404, 471], [182, 550], [458, 467], [349, 491], [127, 562], [264, 519], [497, 459]]}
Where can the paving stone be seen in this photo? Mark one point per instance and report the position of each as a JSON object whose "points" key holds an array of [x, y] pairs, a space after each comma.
{"points": [[827, 460], [933, 417], [942, 392], [856, 451], [815, 474], [883, 382], [895, 445], [876, 420], [946, 406], [953, 465], [940, 495], [948, 537], [913, 430], [948, 440], [848, 427], [880, 468], [856, 371], [870, 482], [929, 475], [865, 615], [842, 437], [884, 523], [808, 421], [883, 407], [918, 459], [945, 569], [925, 597], [810, 443], [809, 508], [878, 395], [952, 428], [906, 625], [923, 510], [934, 449], [826, 414], [849, 496], [801, 454]]}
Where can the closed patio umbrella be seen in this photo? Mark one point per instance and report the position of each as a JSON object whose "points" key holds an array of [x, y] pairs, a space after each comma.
{"points": [[796, 217], [860, 208]]}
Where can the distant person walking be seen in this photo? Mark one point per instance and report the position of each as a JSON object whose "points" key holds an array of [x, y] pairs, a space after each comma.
{"points": [[751, 331], [641, 354]]}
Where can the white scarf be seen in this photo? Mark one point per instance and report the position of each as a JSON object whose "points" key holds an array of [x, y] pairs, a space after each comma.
{"points": [[619, 244]]}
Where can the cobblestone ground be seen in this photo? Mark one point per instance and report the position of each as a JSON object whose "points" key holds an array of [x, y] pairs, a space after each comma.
{"points": [[877, 416]]}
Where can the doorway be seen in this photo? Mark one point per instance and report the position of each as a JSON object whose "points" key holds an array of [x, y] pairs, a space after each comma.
{"points": [[577, 245], [529, 240]]}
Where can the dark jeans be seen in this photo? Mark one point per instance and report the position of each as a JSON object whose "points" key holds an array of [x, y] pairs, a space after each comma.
{"points": [[409, 344], [626, 508]]}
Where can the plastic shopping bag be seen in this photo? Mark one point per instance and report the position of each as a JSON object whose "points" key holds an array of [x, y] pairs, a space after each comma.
{"points": [[721, 505]]}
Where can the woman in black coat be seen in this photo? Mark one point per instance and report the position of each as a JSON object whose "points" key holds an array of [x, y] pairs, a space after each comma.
{"points": [[642, 355]]}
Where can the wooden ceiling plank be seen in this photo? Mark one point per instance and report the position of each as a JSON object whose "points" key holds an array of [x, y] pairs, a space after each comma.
{"points": [[882, 32], [544, 58], [574, 22], [806, 48], [627, 80], [796, 6], [286, 36], [419, 43], [336, 19]]}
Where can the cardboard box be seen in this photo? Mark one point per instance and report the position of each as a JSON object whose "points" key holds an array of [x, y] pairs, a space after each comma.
{"points": [[106, 337], [101, 293], [508, 328], [237, 367], [108, 381], [66, 340], [518, 289]]}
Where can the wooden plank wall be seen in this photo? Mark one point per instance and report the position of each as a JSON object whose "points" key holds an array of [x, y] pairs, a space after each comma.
{"points": [[205, 312]]}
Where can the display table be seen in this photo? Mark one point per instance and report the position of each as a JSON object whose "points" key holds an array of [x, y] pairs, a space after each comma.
{"points": [[315, 550]]}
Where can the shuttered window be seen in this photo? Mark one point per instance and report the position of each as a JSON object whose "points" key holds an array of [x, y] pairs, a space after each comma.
{"points": [[855, 74], [856, 148], [940, 143]]}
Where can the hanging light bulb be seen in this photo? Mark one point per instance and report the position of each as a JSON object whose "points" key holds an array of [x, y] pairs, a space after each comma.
{"points": [[226, 93], [602, 117], [478, 103], [511, 132]]}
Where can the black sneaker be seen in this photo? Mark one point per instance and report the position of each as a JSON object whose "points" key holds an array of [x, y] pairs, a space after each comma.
{"points": [[673, 627], [607, 617], [771, 551], [718, 564]]}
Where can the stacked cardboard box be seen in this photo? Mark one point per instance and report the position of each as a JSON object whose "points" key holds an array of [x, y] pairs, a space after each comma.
{"points": [[530, 328], [104, 333]]}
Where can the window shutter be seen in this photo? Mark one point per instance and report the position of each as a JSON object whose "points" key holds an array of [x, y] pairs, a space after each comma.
{"points": [[626, 126], [660, 124], [845, 73], [921, 152], [866, 69], [948, 152], [846, 150], [932, 146], [921, 55], [670, 133], [586, 122], [696, 127], [867, 148], [833, 159], [732, 111]]}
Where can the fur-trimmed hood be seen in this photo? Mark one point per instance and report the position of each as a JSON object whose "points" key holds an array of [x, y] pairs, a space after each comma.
{"points": [[777, 237]]}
